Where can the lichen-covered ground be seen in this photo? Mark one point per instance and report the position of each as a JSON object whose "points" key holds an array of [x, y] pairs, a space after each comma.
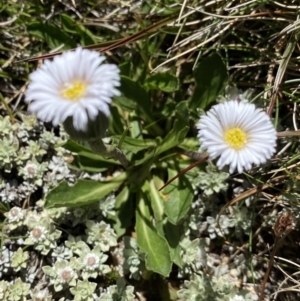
{"points": [[77, 225]]}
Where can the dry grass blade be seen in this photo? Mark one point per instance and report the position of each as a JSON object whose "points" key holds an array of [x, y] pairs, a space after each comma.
{"points": [[281, 70], [251, 192], [115, 44], [184, 171]]}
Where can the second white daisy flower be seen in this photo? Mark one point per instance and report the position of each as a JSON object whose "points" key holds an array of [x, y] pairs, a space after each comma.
{"points": [[75, 84], [238, 133]]}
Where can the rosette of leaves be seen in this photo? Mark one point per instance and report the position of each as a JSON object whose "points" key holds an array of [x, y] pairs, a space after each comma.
{"points": [[62, 275], [9, 147], [242, 220], [43, 235], [211, 181], [4, 290], [100, 234], [199, 288], [193, 254], [134, 259], [15, 217], [19, 260], [91, 262], [18, 291], [119, 292], [84, 291], [152, 126]]}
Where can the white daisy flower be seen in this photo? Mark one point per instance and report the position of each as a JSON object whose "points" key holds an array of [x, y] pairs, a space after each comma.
{"points": [[75, 84], [239, 133]]}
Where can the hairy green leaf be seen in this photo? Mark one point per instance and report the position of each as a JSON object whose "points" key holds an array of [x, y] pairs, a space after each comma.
{"points": [[178, 198], [134, 96], [173, 138], [162, 81], [124, 212], [150, 242], [84, 192], [134, 145], [157, 202], [72, 26], [86, 160], [52, 35], [172, 235]]}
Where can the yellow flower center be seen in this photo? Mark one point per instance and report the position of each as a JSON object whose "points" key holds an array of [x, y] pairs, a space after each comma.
{"points": [[74, 91], [236, 138]]}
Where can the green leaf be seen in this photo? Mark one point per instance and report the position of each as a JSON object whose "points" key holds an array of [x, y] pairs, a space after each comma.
{"points": [[139, 174], [182, 112], [72, 26], [191, 143], [162, 81], [134, 145], [150, 242], [178, 197], [172, 234], [211, 78], [75, 147], [86, 160], [115, 121], [89, 162], [68, 23], [134, 96], [124, 212], [83, 193], [173, 138], [147, 156], [52, 35], [157, 202]]}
